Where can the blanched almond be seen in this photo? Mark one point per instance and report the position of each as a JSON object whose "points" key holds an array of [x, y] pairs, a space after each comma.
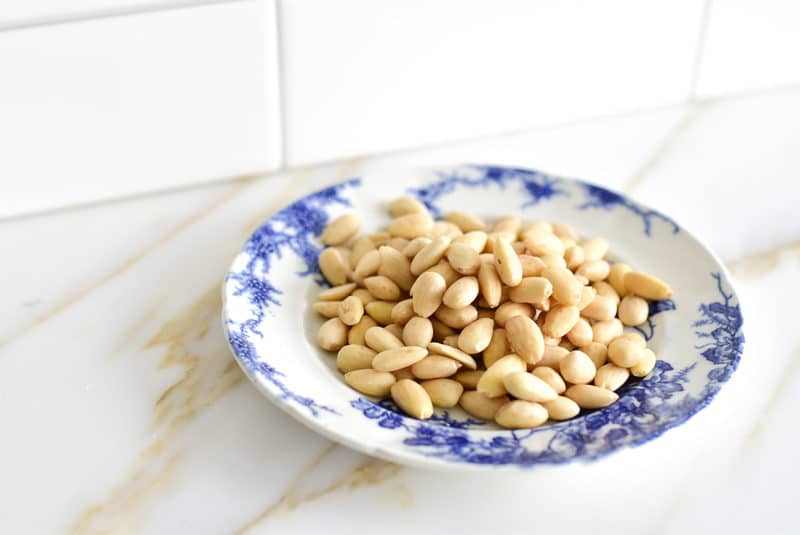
{"points": [[491, 382], [454, 353], [616, 277], [633, 310], [506, 311], [561, 408], [489, 283], [333, 265], [611, 376], [466, 222], [430, 254], [398, 243], [595, 249], [360, 247], [341, 229], [525, 338], [332, 335], [444, 269], [402, 312], [562, 230], [509, 268], [601, 308], [415, 246], [357, 332], [427, 293], [364, 295], [370, 382], [635, 337], [531, 290], [369, 264], [382, 287], [542, 244], [624, 352], [498, 347], [412, 398], [457, 318], [520, 414], [380, 311], [380, 339], [594, 270], [395, 330], [587, 296], [440, 330], [646, 285], [566, 290], [451, 340], [475, 239], [461, 293], [532, 266], [354, 357], [480, 405], [476, 336], [577, 368], [469, 378], [597, 352], [401, 357], [337, 293], [645, 365], [329, 309], [524, 385], [551, 377], [605, 289], [418, 332], [444, 393], [463, 258], [435, 367], [396, 266], [590, 396], [445, 228], [552, 355], [411, 225], [560, 320], [606, 330], [509, 223], [574, 257], [405, 205], [351, 310], [581, 333]]}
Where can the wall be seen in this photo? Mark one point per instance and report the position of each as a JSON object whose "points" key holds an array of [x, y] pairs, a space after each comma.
{"points": [[105, 98]]}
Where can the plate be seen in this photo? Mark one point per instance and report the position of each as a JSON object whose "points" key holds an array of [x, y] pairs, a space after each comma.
{"points": [[271, 328]]}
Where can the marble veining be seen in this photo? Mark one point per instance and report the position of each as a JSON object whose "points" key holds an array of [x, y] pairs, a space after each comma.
{"points": [[63, 374]]}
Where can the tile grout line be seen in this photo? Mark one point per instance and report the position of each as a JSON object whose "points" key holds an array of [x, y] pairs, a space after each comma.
{"points": [[700, 49], [231, 179], [665, 146], [283, 122], [102, 14]]}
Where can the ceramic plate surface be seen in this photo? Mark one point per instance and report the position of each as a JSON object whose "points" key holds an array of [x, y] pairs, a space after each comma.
{"points": [[271, 328]]}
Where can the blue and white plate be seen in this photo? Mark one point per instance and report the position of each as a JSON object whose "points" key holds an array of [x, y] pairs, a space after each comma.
{"points": [[271, 328]]}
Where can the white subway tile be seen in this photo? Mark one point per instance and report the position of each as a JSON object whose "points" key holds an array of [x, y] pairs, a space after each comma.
{"points": [[751, 44], [364, 76], [109, 107]]}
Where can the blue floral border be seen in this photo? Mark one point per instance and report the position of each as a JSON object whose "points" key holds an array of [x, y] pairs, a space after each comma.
{"points": [[646, 408], [293, 229]]}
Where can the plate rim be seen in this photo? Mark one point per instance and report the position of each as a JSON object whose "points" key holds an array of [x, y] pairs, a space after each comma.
{"points": [[419, 459]]}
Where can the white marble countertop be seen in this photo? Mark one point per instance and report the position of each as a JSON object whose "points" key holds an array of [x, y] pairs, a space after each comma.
{"points": [[123, 411]]}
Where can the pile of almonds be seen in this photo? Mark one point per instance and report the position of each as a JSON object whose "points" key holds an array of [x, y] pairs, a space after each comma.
{"points": [[516, 323]]}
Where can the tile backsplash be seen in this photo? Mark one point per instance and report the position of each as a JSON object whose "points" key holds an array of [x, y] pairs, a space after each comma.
{"points": [[104, 98]]}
